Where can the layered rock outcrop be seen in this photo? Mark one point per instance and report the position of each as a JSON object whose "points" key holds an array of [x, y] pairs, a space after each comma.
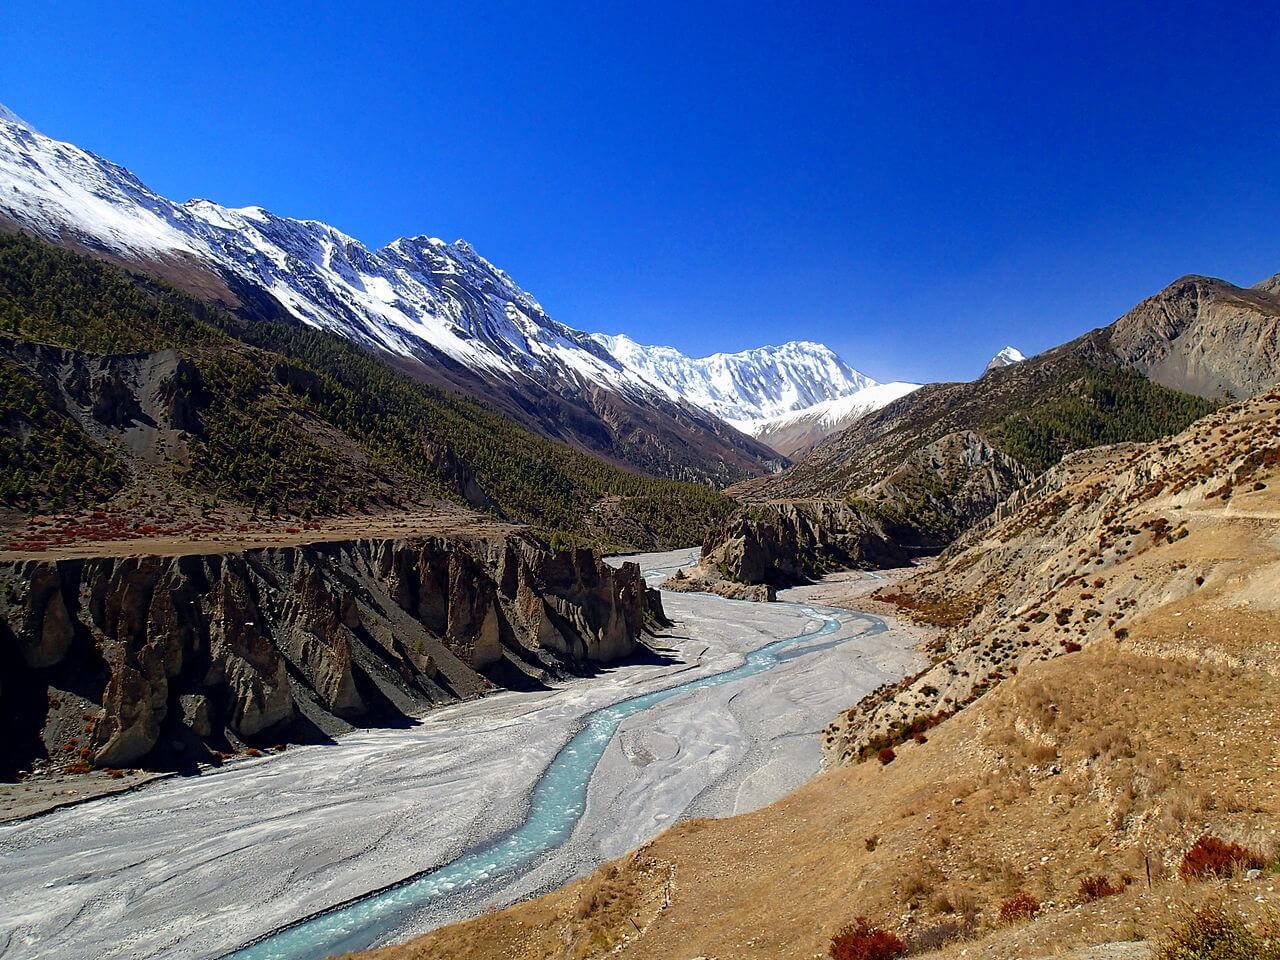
{"points": [[141, 659]]}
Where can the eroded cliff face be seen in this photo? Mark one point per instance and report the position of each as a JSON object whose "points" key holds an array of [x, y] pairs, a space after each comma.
{"points": [[160, 660], [783, 544], [918, 508]]}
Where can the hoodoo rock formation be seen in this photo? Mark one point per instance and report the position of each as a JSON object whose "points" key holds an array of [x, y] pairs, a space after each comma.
{"points": [[159, 659]]}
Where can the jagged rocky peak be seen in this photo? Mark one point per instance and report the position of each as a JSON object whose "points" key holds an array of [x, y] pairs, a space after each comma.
{"points": [[1007, 357], [414, 297]]}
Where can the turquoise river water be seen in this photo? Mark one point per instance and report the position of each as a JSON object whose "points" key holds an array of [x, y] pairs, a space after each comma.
{"points": [[555, 806]]}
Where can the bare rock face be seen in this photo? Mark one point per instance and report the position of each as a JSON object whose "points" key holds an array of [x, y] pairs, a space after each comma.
{"points": [[45, 634], [944, 488], [181, 395], [1205, 336], [196, 714], [235, 648], [786, 543], [114, 403], [701, 580]]}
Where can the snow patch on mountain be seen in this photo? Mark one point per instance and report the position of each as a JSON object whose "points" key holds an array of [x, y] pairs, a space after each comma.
{"points": [[830, 415], [55, 187], [793, 433]]}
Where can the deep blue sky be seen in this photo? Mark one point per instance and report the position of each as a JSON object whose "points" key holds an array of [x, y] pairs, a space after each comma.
{"points": [[914, 184]]}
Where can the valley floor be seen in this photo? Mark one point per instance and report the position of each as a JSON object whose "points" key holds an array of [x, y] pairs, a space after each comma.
{"points": [[195, 867], [1093, 754]]}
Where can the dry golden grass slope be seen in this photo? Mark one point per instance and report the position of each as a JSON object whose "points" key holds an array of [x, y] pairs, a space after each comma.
{"points": [[1162, 564]]}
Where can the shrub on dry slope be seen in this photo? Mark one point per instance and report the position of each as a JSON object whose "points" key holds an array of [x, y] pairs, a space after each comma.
{"points": [[1095, 888], [1210, 934], [863, 940], [1019, 907], [1212, 857]]}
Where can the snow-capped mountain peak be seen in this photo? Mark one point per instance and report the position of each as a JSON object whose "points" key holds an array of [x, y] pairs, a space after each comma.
{"points": [[419, 297], [1005, 358], [794, 432], [414, 296], [747, 386], [8, 116]]}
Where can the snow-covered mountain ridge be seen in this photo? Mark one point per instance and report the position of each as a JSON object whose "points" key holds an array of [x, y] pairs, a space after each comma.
{"points": [[412, 293], [747, 387], [417, 297], [794, 432]]}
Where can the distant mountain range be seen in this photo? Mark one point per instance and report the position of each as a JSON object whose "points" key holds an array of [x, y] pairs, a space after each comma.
{"points": [[441, 312], [789, 396], [794, 433]]}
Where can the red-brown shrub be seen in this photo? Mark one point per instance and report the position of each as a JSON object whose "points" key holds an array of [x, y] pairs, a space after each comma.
{"points": [[886, 756], [1211, 857], [1021, 906], [1095, 888], [862, 940]]}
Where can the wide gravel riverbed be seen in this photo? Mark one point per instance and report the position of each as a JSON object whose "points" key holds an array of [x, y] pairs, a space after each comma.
{"points": [[199, 866]]}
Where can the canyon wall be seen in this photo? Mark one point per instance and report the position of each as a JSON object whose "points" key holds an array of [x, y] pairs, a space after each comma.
{"points": [[165, 660]]}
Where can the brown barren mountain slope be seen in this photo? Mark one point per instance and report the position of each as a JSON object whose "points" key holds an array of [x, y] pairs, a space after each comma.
{"points": [[1204, 336], [930, 465], [1103, 748]]}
